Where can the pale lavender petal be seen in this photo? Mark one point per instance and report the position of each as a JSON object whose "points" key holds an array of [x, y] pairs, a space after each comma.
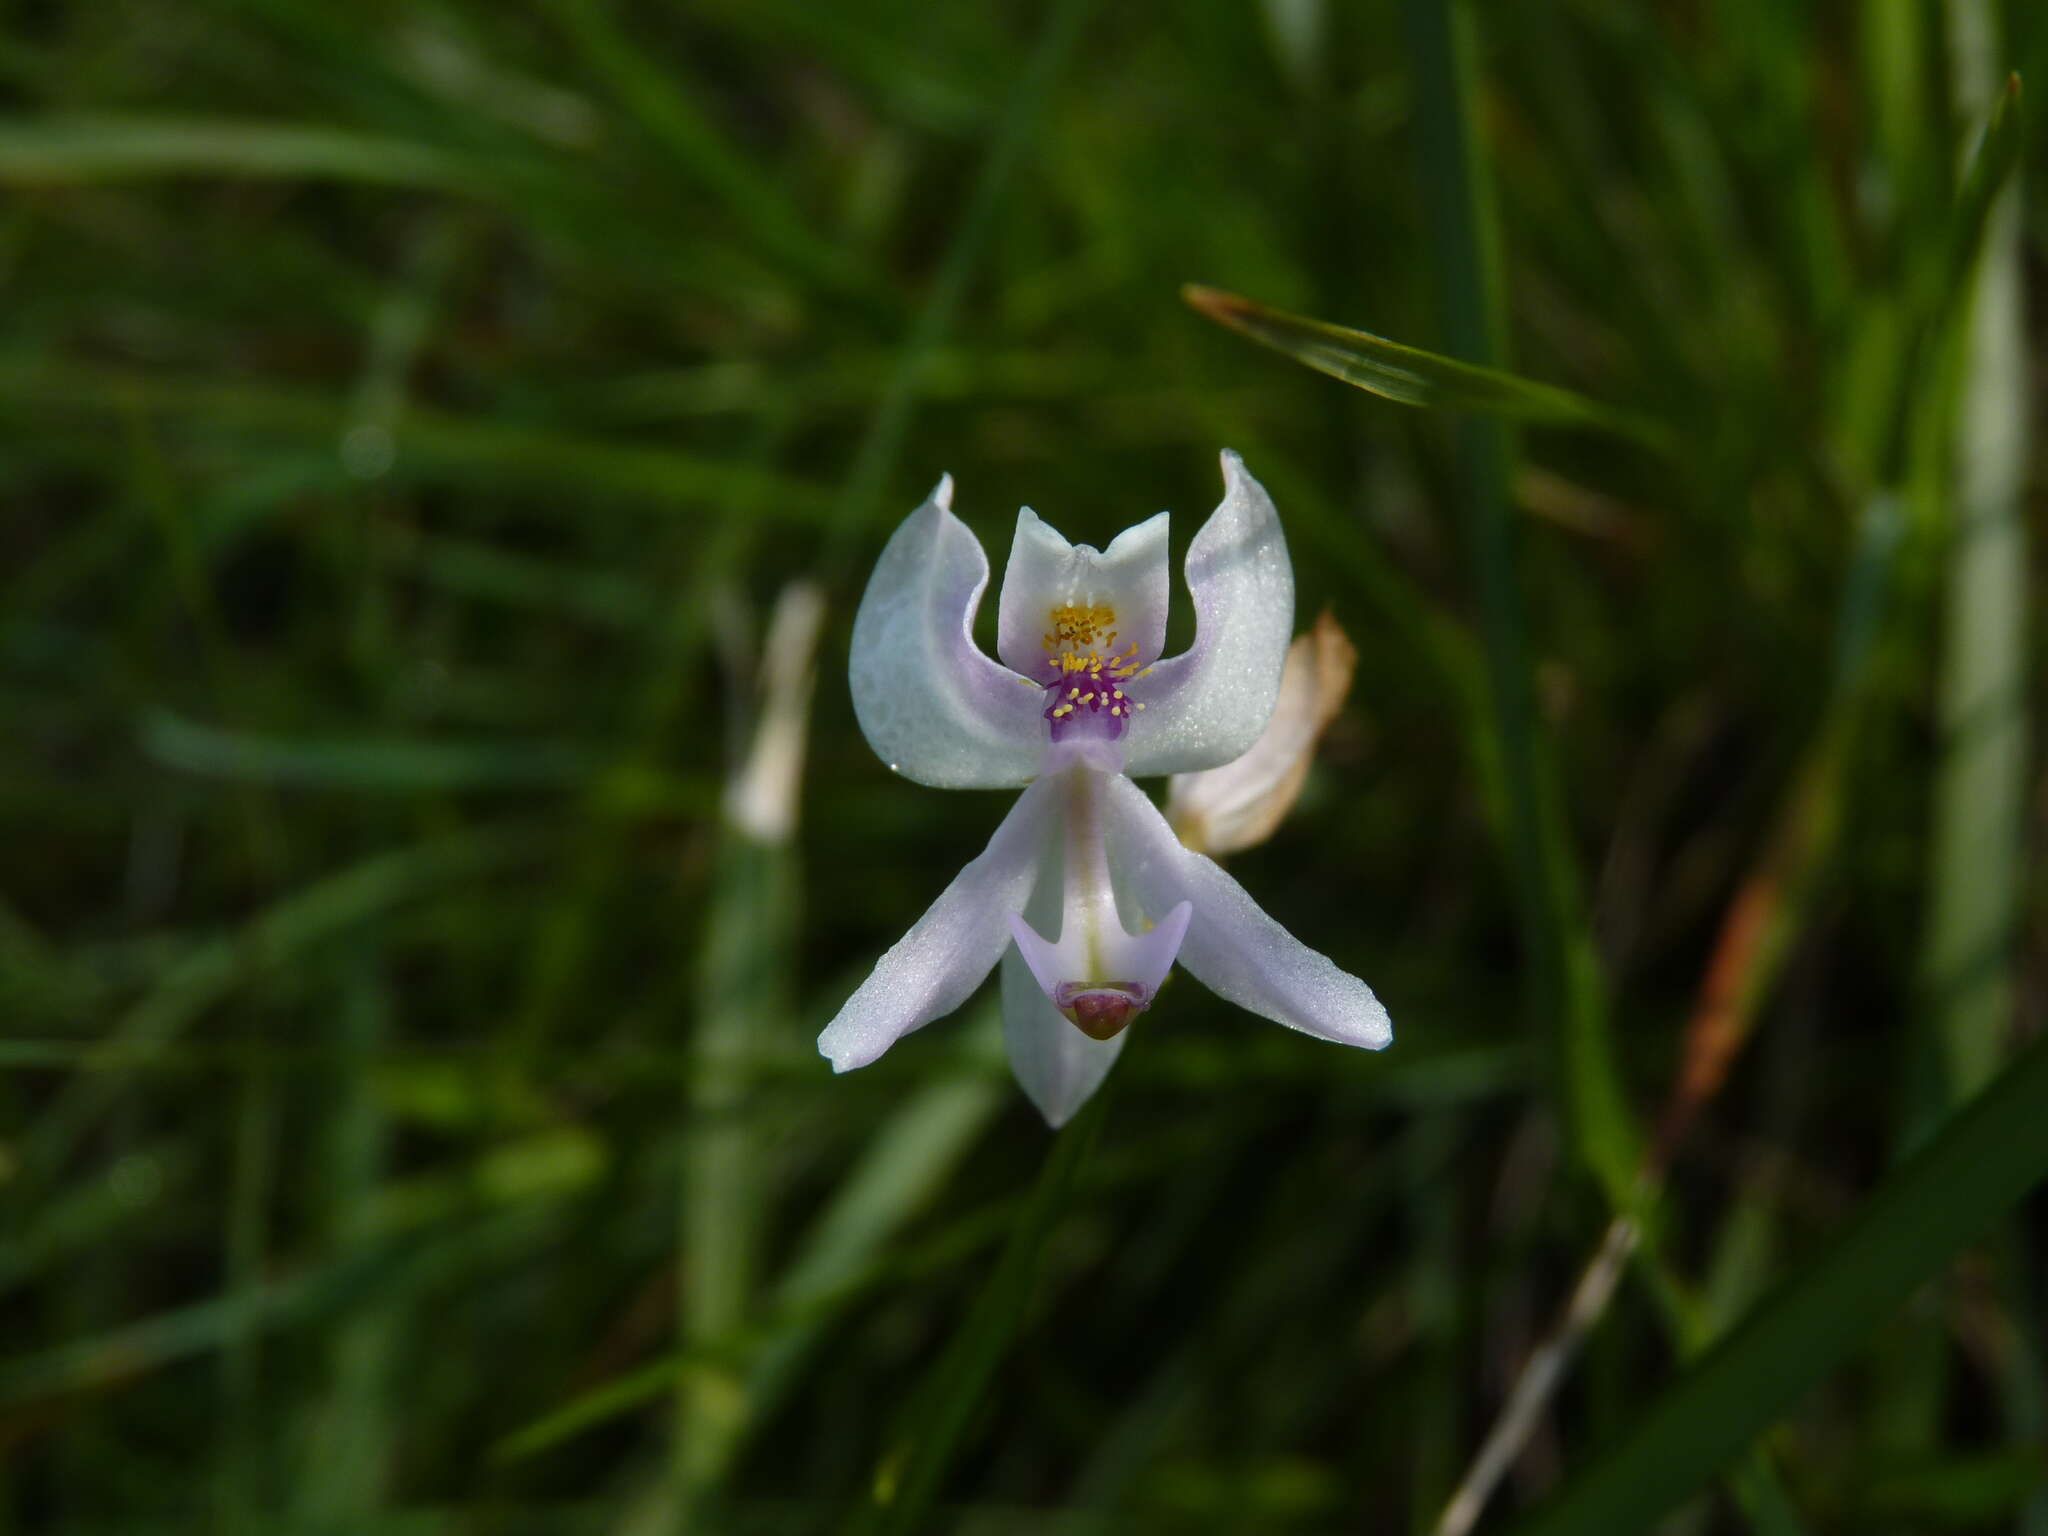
{"points": [[949, 951], [1056, 1065], [1042, 956], [1046, 572], [931, 704], [1137, 959], [1148, 956], [1232, 947], [1207, 705]]}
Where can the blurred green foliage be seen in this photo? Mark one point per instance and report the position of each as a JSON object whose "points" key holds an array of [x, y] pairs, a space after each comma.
{"points": [[410, 1120]]}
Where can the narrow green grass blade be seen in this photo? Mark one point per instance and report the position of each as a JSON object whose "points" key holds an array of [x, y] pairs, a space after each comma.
{"points": [[388, 765], [1980, 786], [1959, 1492], [1988, 1157], [432, 446], [92, 1213], [1411, 376], [803, 1315], [80, 149], [928, 86], [647, 86], [896, 1177], [1932, 335], [749, 954], [411, 1268], [475, 569], [1569, 994], [354, 1422], [1969, 974], [908, 1476], [566, 197], [1997, 156], [1900, 79], [241, 1485], [1763, 1498], [666, 693], [902, 1171], [600, 1405], [882, 441], [279, 935], [264, 838]]}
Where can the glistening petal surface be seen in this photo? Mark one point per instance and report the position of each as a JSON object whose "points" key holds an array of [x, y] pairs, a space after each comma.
{"points": [[949, 951], [1207, 705], [1232, 947], [1046, 572], [933, 706]]}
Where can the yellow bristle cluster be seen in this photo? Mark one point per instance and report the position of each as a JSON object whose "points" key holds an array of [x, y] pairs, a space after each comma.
{"points": [[1076, 625], [1083, 642]]}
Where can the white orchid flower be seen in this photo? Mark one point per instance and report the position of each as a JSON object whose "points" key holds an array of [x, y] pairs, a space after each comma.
{"points": [[1080, 700]]}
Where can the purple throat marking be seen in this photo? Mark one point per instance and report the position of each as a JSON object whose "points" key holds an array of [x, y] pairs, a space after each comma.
{"points": [[1091, 696]]}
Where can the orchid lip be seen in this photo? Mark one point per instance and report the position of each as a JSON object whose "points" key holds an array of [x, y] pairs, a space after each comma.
{"points": [[1096, 975], [1101, 1010]]}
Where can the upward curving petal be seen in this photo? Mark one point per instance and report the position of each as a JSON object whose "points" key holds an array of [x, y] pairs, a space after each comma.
{"points": [[949, 951], [1207, 705], [1046, 572], [931, 704], [1231, 946]]}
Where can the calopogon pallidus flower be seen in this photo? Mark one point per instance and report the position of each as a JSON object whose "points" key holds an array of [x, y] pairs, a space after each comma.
{"points": [[1084, 894]]}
